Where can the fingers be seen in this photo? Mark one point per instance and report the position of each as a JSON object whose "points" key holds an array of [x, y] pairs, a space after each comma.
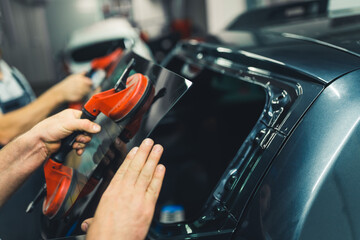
{"points": [[75, 87], [86, 224], [71, 122], [124, 166], [138, 162], [87, 81], [110, 154], [79, 151], [83, 138], [141, 170], [120, 145], [82, 125], [76, 113], [79, 148], [88, 126], [81, 76], [78, 145], [149, 168], [154, 188]]}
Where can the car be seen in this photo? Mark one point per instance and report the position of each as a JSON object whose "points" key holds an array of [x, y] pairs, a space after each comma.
{"points": [[281, 164], [100, 39], [265, 143]]}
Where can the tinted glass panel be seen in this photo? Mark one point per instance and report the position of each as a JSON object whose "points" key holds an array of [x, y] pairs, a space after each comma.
{"points": [[202, 134], [93, 170]]}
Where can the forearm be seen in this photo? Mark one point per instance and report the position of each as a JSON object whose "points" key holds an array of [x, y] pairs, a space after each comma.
{"points": [[19, 121], [18, 160], [25, 154]]}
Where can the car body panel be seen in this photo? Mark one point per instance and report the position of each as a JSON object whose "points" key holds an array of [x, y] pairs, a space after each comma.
{"points": [[295, 53], [341, 33], [326, 137], [315, 76], [289, 95]]}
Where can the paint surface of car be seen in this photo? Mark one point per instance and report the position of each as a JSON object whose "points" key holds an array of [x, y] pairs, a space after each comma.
{"points": [[293, 174]]}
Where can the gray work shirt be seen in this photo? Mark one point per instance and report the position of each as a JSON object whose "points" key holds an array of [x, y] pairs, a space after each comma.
{"points": [[15, 91]]}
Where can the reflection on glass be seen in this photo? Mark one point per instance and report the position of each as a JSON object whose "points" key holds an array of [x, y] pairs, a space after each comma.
{"points": [[106, 151]]}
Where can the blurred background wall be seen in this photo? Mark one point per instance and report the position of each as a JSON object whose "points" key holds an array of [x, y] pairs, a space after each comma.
{"points": [[25, 39], [65, 16], [34, 32]]}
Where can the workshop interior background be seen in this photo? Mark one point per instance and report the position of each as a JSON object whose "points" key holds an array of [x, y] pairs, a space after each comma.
{"points": [[34, 33]]}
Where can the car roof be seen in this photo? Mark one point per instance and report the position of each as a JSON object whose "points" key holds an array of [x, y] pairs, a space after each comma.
{"points": [[323, 48], [275, 52], [342, 33]]}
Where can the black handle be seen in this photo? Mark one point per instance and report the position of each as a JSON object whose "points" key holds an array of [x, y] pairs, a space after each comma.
{"points": [[66, 143], [90, 73], [121, 83]]}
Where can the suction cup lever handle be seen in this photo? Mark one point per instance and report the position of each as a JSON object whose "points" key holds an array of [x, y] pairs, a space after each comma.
{"points": [[121, 83], [37, 199], [66, 143]]}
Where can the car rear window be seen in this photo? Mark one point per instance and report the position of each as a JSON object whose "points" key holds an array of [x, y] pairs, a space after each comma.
{"points": [[208, 126], [96, 50]]}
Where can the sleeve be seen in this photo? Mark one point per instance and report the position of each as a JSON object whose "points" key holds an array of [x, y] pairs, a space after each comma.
{"points": [[24, 83]]}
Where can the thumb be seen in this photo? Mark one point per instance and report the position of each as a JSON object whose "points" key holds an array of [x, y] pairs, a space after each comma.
{"points": [[74, 122], [85, 125], [86, 224]]}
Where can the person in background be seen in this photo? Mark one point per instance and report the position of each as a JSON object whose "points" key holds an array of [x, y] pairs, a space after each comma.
{"points": [[127, 206], [20, 110]]}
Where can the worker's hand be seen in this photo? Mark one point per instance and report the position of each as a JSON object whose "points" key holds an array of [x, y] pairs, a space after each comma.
{"points": [[80, 143], [53, 129], [119, 147], [73, 88], [127, 206]]}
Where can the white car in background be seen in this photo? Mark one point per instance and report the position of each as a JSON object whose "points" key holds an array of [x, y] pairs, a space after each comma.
{"points": [[99, 40]]}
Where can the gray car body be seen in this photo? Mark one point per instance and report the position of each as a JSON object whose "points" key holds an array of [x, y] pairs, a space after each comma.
{"points": [[297, 174]]}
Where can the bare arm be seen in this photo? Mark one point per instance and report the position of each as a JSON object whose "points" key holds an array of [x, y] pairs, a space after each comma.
{"points": [[21, 157], [72, 88]]}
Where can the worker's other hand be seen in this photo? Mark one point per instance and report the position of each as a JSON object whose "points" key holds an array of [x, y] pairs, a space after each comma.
{"points": [[80, 143], [127, 206], [74, 87], [53, 129]]}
